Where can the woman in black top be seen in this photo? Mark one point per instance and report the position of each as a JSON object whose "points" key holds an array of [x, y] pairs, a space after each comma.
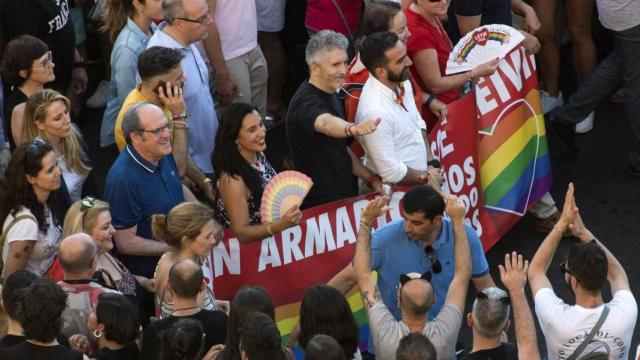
{"points": [[27, 66], [41, 320], [115, 324]]}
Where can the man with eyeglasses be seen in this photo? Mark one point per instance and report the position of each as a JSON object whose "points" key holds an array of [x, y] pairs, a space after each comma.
{"points": [[423, 241], [143, 181], [186, 23], [415, 293], [587, 267]]}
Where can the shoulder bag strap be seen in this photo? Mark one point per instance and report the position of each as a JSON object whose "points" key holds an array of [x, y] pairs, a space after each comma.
{"points": [[344, 19], [591, 335]]}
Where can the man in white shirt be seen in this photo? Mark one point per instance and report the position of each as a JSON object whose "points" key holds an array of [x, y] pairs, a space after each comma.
{"points": [[588, 265], [415, 294], [398, 151]]}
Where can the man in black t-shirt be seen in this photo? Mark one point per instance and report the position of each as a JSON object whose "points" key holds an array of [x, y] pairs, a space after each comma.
{"points": [[316, 130], [466, 15], [50, 21], [185, 281]]}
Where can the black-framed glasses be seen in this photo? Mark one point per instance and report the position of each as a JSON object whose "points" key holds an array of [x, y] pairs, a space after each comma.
{"points": [[430, 254], [201, 20], [46, 62], [157, 131], [564, 269]]}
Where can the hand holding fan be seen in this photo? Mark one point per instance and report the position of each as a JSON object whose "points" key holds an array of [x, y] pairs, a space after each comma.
{"points": [[283, 191], [481, 45]]}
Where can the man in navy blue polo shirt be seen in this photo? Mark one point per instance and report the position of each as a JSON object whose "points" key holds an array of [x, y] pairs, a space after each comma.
{"points": [[143, 181], [421, 242]]}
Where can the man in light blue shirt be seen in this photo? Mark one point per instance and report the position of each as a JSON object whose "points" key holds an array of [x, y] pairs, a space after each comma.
{"points": [[186, 23]]}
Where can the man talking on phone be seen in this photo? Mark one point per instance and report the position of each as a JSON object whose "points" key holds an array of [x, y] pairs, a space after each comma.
{"points": [[162, 81]]}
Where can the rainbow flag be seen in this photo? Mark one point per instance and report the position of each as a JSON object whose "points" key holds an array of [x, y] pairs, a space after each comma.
{"points": [[515, 170]]}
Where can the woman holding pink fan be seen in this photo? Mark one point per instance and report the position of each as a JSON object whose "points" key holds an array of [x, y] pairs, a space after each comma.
{"points": [[243, 172]]}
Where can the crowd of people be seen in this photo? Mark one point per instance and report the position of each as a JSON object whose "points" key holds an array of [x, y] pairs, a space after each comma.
{"points": [[122, 271]]}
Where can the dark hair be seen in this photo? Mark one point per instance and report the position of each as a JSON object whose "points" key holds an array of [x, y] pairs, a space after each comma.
{"points": [[588, 263], [40, 312], [183, 340], [16, 190], [324, 347], [11, 296], [248, 299], [374, 47], [260, 338], [378, 16], [416, 346], [114, 18], [325, 310], [119, 317], [19, 55], [185, 279], [226, 158], [425, 200], [158, 60]]}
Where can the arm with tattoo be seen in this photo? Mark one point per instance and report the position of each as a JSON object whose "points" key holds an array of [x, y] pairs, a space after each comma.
{"points": [[19, 253], [362, 258]]}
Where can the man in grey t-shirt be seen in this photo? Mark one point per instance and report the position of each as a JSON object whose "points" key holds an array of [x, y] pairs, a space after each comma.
{"points": [[415, 294]]}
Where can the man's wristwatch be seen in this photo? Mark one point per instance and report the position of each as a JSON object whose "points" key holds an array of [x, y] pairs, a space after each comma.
{"points": [[435, 163]]}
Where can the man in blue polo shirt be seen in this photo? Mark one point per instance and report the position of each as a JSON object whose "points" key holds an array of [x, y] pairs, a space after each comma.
{"points": [[143, 181], [423, 241]]}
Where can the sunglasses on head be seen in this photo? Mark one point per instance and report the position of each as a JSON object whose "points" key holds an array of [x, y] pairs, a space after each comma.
{"points": [[430, 254], [35, 145], [88, 202], [564, 269]]}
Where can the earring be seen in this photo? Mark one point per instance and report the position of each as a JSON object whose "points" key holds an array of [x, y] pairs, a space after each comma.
{"points": [[97, 333]]}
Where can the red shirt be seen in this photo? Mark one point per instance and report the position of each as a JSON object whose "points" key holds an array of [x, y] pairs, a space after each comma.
{"points": [[323, 15], [427, 36]]}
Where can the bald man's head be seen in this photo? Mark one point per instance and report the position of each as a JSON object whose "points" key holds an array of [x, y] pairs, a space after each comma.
{"points": [[186, 279], [76, 253], [416, 297]]}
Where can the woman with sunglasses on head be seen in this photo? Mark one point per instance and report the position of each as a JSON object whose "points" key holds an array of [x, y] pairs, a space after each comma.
{"points": [[243, 172], [129, 24], [30, 229], [27, 66], [92, 216], [191, 229], [429, 47], [46, 115]]}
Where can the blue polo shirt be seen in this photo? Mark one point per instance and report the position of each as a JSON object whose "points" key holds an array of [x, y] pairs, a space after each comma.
{"points": [[136, 189], [393, 254]]}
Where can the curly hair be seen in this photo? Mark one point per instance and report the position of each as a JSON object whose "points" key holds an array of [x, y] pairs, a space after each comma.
{"points": [[41, 310], [17, 192], [19, 55], [324, 310], [183, 340]]}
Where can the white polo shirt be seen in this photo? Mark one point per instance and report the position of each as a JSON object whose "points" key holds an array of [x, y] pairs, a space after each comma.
{"points": [[397, 144]]}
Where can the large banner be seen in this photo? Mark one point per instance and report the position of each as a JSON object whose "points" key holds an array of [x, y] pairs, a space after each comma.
{"points": [[493, 150], [493, 147]]}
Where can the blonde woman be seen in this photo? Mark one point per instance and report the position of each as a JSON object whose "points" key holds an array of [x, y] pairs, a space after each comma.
{"points": [[191, 229], [46, 115], [92, 216]]}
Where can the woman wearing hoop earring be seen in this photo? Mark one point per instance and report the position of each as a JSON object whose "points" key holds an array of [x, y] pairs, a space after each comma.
{"points": [[114, 322]]}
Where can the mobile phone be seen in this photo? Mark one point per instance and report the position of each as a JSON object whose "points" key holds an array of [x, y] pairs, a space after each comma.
{"points": [[162, 84]]}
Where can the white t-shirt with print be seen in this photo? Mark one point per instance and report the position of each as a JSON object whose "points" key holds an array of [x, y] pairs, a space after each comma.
{"points": [[565, 326], [44, 249]]}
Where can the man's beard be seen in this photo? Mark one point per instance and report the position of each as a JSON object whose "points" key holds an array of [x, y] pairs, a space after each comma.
{"points": [[398, 78]]}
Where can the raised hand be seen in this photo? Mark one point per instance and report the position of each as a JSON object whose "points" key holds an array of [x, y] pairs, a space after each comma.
{"points": [[514, 272], [455, 208], [374, 209]]}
